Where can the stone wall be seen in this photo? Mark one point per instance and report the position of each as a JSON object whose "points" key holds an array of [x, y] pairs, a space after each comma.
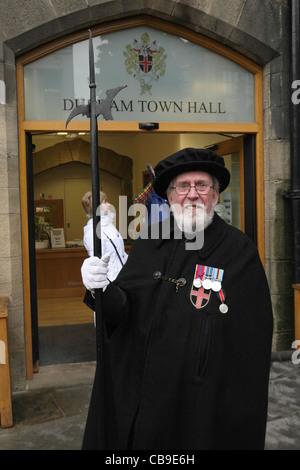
{"points": [[278, 222], [11, 281], [257, 29]]}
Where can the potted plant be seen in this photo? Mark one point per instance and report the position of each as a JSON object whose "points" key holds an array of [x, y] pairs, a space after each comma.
{"points": [[41, 228]]}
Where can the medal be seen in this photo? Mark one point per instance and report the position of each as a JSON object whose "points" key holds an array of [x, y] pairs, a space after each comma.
{"points": [[207, 278], [207, 284], [223, 307], [208, 273], [197, 282], [217, 279], [216, 286]]}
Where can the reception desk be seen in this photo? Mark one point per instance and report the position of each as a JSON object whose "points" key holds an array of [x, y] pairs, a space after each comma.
{"points": [[58, 272]]}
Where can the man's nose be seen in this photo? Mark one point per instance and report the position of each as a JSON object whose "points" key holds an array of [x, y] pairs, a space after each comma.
{"points": [[193, 193]]}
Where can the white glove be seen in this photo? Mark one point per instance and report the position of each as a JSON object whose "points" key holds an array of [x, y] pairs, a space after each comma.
{"points": [[94, 272]]}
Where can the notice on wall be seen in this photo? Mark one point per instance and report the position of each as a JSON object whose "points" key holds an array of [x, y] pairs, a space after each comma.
{"points": [[228, 205], [57, 238], [2, 353]]}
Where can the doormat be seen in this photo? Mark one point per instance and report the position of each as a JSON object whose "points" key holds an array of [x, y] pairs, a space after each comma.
{"points": [[67, 344]]}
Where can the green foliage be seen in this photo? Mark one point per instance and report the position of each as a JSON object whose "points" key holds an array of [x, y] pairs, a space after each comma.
{"points": [[41, 227]]}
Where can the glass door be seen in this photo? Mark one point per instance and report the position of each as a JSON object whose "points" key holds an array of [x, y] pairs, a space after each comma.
{"points": [[231, 205], [238, 203]]}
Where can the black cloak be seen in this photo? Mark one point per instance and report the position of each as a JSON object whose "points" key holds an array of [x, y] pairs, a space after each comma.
{"points": [[181, 377]]}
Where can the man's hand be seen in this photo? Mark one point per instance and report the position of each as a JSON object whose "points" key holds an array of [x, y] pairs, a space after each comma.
{"points": [[94, 272]]}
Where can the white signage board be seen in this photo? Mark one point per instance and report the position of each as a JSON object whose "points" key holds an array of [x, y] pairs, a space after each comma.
{"points": [[167, 78]]}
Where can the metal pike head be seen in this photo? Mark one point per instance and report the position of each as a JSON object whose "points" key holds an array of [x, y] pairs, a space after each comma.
{"points": [[105, 105]]}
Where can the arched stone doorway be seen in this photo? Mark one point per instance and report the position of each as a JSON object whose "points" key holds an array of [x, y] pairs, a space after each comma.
{"points": [[78, 150]]}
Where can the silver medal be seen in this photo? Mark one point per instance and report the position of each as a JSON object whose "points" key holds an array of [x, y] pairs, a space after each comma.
{"points": [[223, 308], [216, 286], [197, 282], [207, 284]]}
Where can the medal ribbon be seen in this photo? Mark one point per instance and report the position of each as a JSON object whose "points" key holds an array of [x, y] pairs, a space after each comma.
{"points": [[202, 272], [218, 274], [214, 274], [199, 271], [207, 272], [221, 295]]}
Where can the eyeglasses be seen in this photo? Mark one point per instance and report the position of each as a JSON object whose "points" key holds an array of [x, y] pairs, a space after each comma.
{"points": [[184, 188]]}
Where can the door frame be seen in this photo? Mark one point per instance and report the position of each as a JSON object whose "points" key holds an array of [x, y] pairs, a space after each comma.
{"points": [[253, 129], [235, 145]]}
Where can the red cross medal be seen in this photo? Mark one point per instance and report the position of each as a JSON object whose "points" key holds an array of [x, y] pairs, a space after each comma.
{"points": [[199, 295]]}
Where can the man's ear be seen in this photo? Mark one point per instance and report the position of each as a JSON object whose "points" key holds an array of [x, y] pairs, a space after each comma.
{"points": [[216, 198]]}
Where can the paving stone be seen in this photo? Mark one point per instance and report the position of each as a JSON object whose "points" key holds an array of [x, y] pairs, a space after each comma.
{"points": [[53, 416]]}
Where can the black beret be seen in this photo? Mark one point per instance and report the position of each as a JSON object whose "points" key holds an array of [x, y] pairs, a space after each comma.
{"points": [[189, 159]]}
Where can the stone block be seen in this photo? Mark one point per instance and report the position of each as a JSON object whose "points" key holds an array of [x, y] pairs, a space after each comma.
{"points": [[12, 163], [277, 123], [17, 289], [266, 90], [276, 160], [10, 19], [277, 206], [14, 200], [229, 12], [280, 277], [9, 56], [102, 10], [94, 3], [280, 89], [282, 340], [4, 201], [2, 131], [15, 241], [5, 236], [133, 6], [166, 6], [40, 12], [283, 309], [269, 17], [72, 21], [3, 179], [11, 122], [280, 240], [35, 37], [16, 338], [62, 8], [18, 368], [5, 275], [250, 46], [10, 84]]}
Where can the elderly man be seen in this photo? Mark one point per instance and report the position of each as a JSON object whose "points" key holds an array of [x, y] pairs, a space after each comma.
{"points": [[188, 331]]}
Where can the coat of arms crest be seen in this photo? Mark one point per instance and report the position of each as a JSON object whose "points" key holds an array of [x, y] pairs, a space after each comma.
{"points": [[146, 61]]}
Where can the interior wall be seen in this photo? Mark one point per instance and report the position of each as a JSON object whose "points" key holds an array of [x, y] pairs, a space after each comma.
{"points": [[70, 181], [151, 147]]}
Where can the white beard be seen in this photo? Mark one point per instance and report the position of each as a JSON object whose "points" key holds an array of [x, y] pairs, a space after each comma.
{"points": [[192, 222]]}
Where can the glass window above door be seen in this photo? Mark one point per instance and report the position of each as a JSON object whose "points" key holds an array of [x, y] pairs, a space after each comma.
{"points": [[168, 79]]}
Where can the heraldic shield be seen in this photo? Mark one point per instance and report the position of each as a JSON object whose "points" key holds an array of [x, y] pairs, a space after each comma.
{"points": [[145, 60], [145, 63], [199, 297], [200, 293]]}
